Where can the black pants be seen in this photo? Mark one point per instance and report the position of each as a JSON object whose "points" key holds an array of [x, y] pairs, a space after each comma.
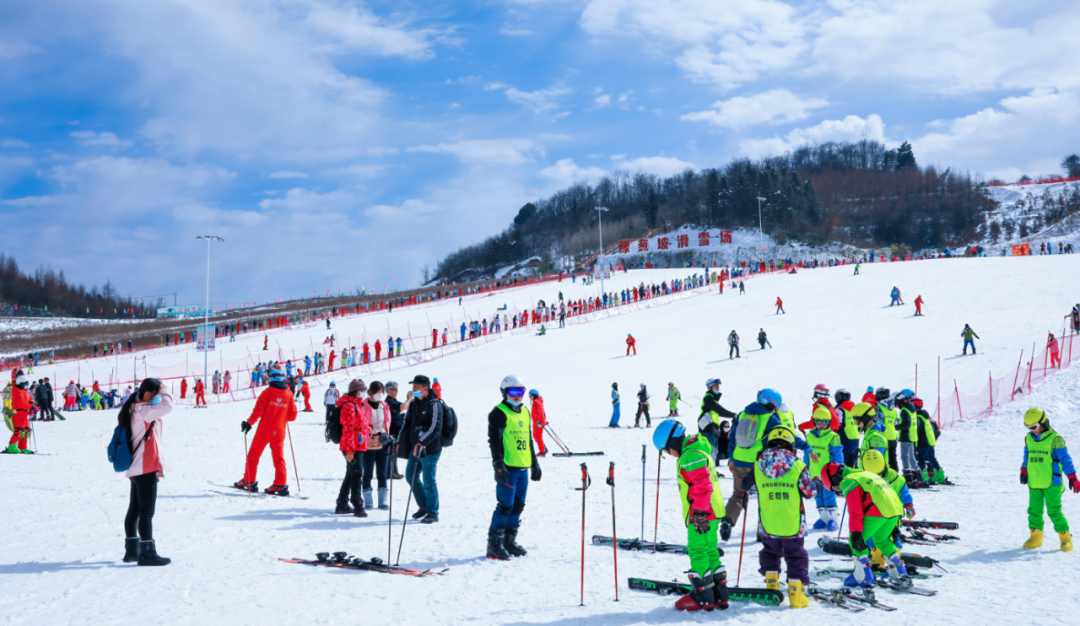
{"points": [[375, 464], [141, 506], [734, 349], [892, 455], [850, 460], [47, 411], [350, 485], [642, 408], [329, 410]]}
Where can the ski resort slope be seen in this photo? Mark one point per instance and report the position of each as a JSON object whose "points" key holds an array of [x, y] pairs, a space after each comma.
{"points": [[64, 513]]}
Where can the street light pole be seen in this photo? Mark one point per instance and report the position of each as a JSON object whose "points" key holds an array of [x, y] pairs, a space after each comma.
{"points": [[206, 319], [599, 257], [761, 235]]}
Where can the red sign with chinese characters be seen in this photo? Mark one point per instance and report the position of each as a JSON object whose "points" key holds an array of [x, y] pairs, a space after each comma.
{"points": [[624, 246], [725, 236], [662, 243], [643, 245], [703, 238], [684, 241]]}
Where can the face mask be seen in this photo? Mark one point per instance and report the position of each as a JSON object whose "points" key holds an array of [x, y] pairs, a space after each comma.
{"points": [[417, 394], [155, 400], [513, 402], [379, 397]]}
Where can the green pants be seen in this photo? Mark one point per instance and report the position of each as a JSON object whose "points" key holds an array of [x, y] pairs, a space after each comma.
{"points": [[673, 406], [1052, 498], [877, 533], [704, 558]]}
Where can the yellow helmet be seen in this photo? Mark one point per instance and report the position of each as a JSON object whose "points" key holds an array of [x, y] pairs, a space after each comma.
{"points": [[861, 409], [1034, 416], [821, 414], [782, 434], [873, 462]]}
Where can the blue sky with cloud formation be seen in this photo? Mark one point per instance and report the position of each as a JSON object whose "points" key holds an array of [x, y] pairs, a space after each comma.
{"points": [[336, 144]]}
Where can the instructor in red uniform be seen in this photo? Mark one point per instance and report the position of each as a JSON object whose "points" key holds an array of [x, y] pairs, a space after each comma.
{"points": [[20, 404], [275, 407], [539, 420]]}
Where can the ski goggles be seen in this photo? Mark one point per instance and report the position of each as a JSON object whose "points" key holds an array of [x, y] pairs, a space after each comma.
{"points": [[515, 392], [1034, 427]]}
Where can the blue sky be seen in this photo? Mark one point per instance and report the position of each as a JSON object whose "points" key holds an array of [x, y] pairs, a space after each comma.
{"points": [[338, 144]]}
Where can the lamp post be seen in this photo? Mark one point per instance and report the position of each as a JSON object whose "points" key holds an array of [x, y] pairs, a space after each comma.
{"points": [[761, 235], [599, 257], [206, 322]]}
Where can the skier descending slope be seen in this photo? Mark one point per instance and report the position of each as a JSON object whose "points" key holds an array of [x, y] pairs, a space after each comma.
{"points": [[673, 397], [1045, 460], [642, 407], [275, 408], [733, 345], [969, 339], [702, 505], [511, 445]]}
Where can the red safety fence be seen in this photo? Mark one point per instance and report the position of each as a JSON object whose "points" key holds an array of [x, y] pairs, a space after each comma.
{"points": [[1041, 181]]}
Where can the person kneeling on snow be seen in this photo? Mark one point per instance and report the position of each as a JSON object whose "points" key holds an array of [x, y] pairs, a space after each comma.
{"points": [[702, 507], [1045, 460]]}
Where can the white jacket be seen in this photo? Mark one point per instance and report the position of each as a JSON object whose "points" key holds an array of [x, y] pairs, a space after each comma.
{"points": [[148, 457], [331, 397]]}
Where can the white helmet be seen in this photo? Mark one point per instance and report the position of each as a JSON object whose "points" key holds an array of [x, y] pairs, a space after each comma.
{"points": [[511, 381], [22, 381]]}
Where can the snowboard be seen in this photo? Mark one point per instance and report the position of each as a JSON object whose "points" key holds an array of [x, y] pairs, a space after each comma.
{"points": [[233, 491], [343, 561], [645, 546], [836, 546], [753, 595]]}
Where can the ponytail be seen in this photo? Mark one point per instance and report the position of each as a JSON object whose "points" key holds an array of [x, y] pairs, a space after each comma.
{"points": [[151, 385]]}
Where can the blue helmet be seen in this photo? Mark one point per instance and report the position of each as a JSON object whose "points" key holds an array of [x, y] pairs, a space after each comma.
{"points": [[769, 399], [276, 375], [533, 392], [665, 432], [907, 393], [712, 381]]}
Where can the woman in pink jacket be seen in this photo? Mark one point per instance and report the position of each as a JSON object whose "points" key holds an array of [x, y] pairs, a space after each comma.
{"points": [[355, 431], [376, 414], [143, 415]]}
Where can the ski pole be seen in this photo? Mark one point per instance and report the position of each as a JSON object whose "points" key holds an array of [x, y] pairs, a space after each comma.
{"points": [[585, 482], [614, 537], [296, 471], [746, 514], [405, 519], [656, 522], [642, 535], [245, 462], [390, 523], [842, 516]]}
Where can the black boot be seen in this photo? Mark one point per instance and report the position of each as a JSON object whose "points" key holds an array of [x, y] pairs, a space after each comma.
{"points": [[343, 508], [720, 588], [131, 549], [725, 528], [495, 548], [510, 541], [148, 554]]}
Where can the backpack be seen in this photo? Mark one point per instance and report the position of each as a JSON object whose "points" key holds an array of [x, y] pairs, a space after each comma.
{"points": [[120, 451], [449, 425], [333, 426]]}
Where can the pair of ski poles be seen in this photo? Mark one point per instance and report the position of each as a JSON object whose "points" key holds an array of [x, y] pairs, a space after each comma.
{"points": [[586, 482]]}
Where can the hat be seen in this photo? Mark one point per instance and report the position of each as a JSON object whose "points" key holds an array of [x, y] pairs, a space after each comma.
{"points": [[357, 385], [420, 379], [435, 380], [333, 384]]}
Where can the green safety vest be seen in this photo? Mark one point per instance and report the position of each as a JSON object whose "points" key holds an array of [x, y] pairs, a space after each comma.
{"points": [[787, 418], [889, 417], [851, 429], [881, 494], [517, 437], [697, 453], [929, 430], [913, 430], [779, 502], [1040, 462], [874, 440], [749, 436], [713, 415], [895, 480], [819, 445]]}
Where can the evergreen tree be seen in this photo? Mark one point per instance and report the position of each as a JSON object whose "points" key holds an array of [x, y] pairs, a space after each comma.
{"points": [[652, 209], [905, 157], [712, 198], [1071, 165]]}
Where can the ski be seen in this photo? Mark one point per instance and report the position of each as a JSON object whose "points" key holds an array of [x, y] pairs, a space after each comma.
{"points": [[754, 595], [835, 597], [844, 571], [645, 546], [344, 561], [922, 535], [882, 579], [867, 597], [926, 524], [841, 548], [567, 454], [25, 454], [233, 491]]}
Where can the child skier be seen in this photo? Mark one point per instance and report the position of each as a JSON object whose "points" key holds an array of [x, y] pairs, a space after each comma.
{"points": [[673, 396], [926, 435], [825, 448], [702, 507], [539, 418], [899, 485], [968, 336], [1045, 460]]}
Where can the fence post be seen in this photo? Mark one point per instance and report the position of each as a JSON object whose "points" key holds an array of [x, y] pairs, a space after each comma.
{"points": [[916, 379], [959, 408], [1031, 364], [1012, 394], [991, 392], [1046, 355], [939, 390]]}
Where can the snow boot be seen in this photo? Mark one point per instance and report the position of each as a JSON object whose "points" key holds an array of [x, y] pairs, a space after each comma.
{"points": [[358, 508], [897, 571], [368, 504], [820, 524], [510, 541], [278, 490], [420, 514], [430, 518], [131, 549], [342, 508], [772, 580], [245, 485], [796, 596], [938, 478], [1035, 540], [700, 598], [496, 548], [725, 528], [383, 500], [13, 448], [832, 524], [720, 588], [148, 554], [862, 576], [1066, 541]]}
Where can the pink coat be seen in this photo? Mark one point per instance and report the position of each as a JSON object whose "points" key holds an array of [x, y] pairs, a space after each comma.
{"points": [[368, 416], [148, 457]]}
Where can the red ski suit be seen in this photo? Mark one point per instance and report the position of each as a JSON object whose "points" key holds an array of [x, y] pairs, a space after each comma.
{"points": [[20, 404], [631, 344], [275, 408], [539, 418], [200, 394], [183, 389]]}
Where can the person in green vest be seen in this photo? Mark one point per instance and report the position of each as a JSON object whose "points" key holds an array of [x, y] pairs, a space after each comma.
{"points": [[872, 433], [907, 431], [889, 417], [782, 481], [673, 397], [1046, 459], [899, 485], [702, 506], [787, 417], [824, 447], [748, 432], [925, 444], [710, 422], [874, 511], [969, 339], [515, 463]]}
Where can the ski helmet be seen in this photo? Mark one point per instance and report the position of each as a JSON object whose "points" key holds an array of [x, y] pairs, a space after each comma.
{"points": [[781, 437], [665, 432], [842, 396], [1034, 416], [822, 414], [907, 394], [21, 381], [821, 391], [870, 389], [873, 462], [769, 399], [709, 384], [534, 393], [511, 382], [642, 385], [882, 393], [863, 412], [614, 385], [276, 375], [831, 475]]}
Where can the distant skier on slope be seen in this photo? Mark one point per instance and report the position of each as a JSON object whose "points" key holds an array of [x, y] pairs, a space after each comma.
{"points": [[733, 345], [631, 344], [780, 306], [673, 397], [642, 407], [969, 337], [918, 306], [895, 295], [614, 423]]}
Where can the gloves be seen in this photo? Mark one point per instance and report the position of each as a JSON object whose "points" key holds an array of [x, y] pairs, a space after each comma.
{"points": [[1023, 475], [909, 511], [385, 439], [1074, 483], [244, 426], [818, 486], [534, 472], [857, 543], [894, 536], [700, 520], [502, 475]]}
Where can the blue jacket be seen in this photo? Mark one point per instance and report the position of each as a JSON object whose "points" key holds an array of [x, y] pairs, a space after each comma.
{"points": [[1061, 460]]}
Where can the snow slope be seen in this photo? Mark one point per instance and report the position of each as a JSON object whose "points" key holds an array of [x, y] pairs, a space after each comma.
{"points": [[1020, 203], [64, 513]]}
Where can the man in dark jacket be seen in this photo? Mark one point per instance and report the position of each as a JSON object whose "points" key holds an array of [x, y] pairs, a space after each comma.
{"points": [[396, 420], [710, 423], [421, 444], [41, 398], [50, 398]]}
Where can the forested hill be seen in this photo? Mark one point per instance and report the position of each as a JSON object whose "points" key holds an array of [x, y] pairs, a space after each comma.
{"points": [[857, 193], [45, 291]]}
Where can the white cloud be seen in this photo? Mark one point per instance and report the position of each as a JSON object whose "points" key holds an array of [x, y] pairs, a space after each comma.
{"points": [[539, 101], [515, 32], [602, 101], [358, 29], [11, 48], [486, 151], [851, 128], [381, 151], [408, 209], [107, 140], [566, 171], [777, 106], [300, 200], [288, 174], [13, 143], [464, 80], [358, 171], [659, 165]]}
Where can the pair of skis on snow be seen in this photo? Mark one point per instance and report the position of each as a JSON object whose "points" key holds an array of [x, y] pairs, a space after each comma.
{"points": [[342, 560], [644, 546], [232, 490]]}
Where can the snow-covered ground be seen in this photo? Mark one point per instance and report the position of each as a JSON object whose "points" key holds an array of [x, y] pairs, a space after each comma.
{"points": [[1022, 203], [63, 513]]}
